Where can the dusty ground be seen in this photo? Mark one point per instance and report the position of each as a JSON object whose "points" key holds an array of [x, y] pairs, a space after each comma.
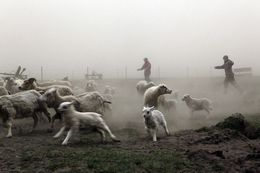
{"points": [[186, 150]]}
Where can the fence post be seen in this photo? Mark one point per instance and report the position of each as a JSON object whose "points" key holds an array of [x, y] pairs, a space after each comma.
{"points": [[41, 73], [188, 72], [125, 72], [159, 73]]}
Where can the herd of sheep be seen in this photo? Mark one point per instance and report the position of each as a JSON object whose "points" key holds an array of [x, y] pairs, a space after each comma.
{"points": [[30, 98]]}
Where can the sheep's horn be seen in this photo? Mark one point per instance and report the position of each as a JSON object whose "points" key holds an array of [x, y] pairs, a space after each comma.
{"points": [[106, 101], [41, 92]]}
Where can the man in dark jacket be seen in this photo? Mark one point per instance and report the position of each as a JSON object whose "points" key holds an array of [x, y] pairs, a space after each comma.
{"points": [[230, 77], [147, 69]]}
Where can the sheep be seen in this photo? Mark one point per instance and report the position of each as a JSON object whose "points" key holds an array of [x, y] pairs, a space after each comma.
{"points": [[143, 85], [21, 105], [66, 78], [77, 90], [30, 84], [152, 120], [107, 105], [91, 86], [12, 84], [195, 104], [108, 96], [152, 94], [73, 119], [86, 102], [109, 90], [2, 82], [3, 91], [55, 82], [168, 104], [93, 102], [112, 90]]}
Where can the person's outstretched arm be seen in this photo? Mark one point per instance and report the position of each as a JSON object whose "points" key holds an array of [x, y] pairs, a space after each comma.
{"points": [[143, 67], [220, 67]]}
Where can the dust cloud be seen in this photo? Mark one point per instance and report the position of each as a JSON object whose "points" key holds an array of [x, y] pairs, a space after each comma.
{"points": [[65, 36], [127, 104]]}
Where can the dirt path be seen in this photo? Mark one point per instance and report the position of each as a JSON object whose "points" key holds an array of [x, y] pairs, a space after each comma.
{"points": [[206, 150]]}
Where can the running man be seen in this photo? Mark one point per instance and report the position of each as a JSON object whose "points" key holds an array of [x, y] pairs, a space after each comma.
{"points": [[230, 77]]}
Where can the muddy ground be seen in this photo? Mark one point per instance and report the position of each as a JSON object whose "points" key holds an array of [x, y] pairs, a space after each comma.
{"points": [[190, 148]]}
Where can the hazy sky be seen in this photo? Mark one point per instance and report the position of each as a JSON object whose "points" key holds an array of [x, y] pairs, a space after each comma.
{"points": [[66, 36]]}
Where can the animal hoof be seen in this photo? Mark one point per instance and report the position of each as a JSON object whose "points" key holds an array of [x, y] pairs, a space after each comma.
{"points": [[8, 136], [116, 140], [55, 136], [49, 130]]}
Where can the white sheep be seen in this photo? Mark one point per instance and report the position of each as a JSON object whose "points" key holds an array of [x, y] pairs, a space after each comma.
{"points": [[167, 104], [86, 102], [152, 120], [195, 104], [152, 94], [107, 106], [55, 82], [143, 85], [12, 84], [21, 105], [3, 91], [77, 90], [109, 90], [2, 82], [73, 119], [94, 102], [91, 86], [31, 84], [112, 90]]}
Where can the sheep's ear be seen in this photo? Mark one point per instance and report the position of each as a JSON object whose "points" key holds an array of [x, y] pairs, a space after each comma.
{"points": [[56, 90], [7, 78], [186, 95], [163, 85], [152, 108], [76, 102], [31, 80], [41, 92]]}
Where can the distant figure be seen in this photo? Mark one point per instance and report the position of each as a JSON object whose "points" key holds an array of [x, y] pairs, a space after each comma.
{"points": [[66, 78], [230, 77], [147, 69]]}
